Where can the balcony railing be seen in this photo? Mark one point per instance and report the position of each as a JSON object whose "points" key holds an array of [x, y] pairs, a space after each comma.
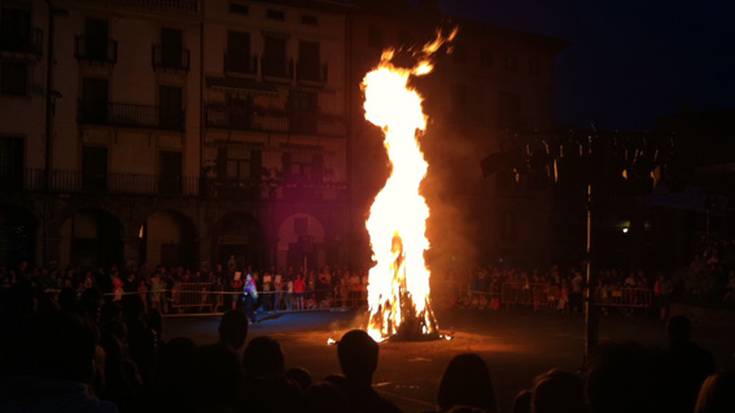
{"points": [[312, 73], [189, 6], [277, 69], [95, 50], [170, 59], [129, 115], [259, 119], [78, 182], [29, 42], [241, 64], [68, 181]]}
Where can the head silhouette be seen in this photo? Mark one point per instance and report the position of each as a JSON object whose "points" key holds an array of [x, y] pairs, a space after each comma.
{"points": [[679, 330], [358, 356], [466, 382], [263, 359], [233, 329], [558, 391], [522, 402], [717, 394], [64, 347]]}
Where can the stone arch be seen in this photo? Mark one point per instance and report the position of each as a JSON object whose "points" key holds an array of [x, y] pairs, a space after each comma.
{"points": [[169, 238], [18, 235], [301, 239], [238, 234], [91, 237]]}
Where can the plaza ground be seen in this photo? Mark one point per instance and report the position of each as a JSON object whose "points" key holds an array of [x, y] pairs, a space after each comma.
{"points": [[516, 345]]}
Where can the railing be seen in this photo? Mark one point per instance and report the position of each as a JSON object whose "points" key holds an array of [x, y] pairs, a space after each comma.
{"points": [[70, 181], [241, 64], [544, 295], [95, 50], [191, 6], [276, 69], [170, 59], [28, 42], [311, 73], [129, 115], [223, 116]]}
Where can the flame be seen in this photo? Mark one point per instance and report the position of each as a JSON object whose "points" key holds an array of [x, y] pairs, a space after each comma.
{"points": [[398, 289]]}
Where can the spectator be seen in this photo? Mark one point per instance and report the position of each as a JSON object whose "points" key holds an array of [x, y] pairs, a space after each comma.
{"points": [[233, 330], [216, 379], [558, 392], [60, 373], [324, 397], [299, 376], [690, 363], [717, 394], [466, 382], [522, 402], [358, 358], [266, 388]]}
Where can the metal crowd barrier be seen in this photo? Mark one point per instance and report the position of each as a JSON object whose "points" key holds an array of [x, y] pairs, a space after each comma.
{"points": [[541, 295]]}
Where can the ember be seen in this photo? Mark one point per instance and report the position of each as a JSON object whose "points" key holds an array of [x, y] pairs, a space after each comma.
{"points": [[398, 290]]}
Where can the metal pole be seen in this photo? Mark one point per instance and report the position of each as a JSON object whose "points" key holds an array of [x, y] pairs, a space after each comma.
{"points": [[590, 312], [49, 130]]}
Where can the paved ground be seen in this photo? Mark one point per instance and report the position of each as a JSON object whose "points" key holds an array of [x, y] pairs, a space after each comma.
{"points": [[516, 345]]}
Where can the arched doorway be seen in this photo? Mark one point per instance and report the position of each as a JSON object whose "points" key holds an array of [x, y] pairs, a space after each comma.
{"points": [[170, 239], [92, 238], [238, 235], [17, 236], [301, 242]]}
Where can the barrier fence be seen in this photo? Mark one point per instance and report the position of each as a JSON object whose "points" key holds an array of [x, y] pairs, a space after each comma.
{"points": [[203, 298], [542, 295]]}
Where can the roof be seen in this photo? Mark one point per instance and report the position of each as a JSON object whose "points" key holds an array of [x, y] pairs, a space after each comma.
{"points": [[240, 84]]}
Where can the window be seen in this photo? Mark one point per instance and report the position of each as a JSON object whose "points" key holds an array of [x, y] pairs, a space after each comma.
{"points": [[96, 32], [15, 29], [239, 163], [309, 20], [275, 15], [309, 61], [172, 45], [303, 111], [274, 56], [375, 37], [14, 79], [238, 8], [170, 104], [169, 167], [238, 52], [11, 163], [94, 168], [509, 110], [93, 107]]}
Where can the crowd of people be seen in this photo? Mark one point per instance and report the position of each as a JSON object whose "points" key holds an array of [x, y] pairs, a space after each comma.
{"points": [[710, 277], [222, 288], [91, 353]]}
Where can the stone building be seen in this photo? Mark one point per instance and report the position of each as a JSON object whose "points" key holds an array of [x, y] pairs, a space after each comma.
{"points": [[189, 131], [181, 132]]}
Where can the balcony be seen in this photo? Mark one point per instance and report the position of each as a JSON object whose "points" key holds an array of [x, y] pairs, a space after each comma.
{"points": [[169, 59], [77, 182], [310, 73], [277, 69], [271, 120], [95, 50], [27, 44], [188, 6], [129, 115], [240, 64]]}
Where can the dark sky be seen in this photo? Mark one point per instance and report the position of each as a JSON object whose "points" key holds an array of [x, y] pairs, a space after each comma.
{"points": [[628, 62]]}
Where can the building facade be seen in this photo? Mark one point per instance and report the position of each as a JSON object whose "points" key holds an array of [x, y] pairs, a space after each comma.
{"points": [[187, 131], [181, 133]]}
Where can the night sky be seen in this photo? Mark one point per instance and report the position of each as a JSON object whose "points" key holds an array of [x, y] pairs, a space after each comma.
{"points": [[628, 62]]}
